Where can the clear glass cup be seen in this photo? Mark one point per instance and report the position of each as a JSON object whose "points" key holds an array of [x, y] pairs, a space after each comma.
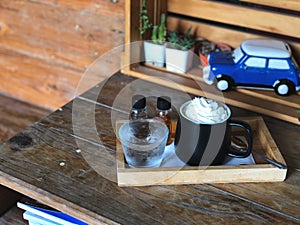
{"points": [[143, 142]]}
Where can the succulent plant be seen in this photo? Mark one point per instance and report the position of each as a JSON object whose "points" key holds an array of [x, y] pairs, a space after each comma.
{"points": [[173, 39], [184, 42], [187, 42]]}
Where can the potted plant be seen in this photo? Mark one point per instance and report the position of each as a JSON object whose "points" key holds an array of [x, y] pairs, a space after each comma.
{"points": [[179, 52], [154, 49]]}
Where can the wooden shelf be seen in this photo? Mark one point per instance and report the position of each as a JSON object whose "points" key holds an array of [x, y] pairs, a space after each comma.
{"points": [[216, 22], [264, 102]]}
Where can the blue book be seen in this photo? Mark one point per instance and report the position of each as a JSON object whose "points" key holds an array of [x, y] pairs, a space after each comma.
{"points": [[40, 216]]}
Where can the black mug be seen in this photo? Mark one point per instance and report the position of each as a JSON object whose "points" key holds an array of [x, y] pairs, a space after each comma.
{"points": [[204, 144]]}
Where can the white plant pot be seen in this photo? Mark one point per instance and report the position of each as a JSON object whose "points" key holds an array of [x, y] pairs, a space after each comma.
{"points": [[155, 54], [178, 61]]}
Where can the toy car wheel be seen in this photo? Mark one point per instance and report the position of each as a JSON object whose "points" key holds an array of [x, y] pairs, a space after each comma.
{"points": [[283, 88], [224, 83]]}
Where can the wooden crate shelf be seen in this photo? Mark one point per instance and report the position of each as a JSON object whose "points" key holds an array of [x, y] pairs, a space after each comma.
{"points": [[220, 22]]}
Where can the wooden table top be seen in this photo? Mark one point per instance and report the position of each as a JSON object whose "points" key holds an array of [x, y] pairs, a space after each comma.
{"points": [[67, 161]]}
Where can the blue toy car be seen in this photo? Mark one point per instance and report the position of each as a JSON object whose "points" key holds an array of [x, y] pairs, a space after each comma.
{"points": [[256, 63]]}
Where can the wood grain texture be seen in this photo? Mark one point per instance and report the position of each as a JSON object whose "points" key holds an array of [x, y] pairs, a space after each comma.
{"points": [[40, 84], [50, 199], [82, 190], [235, 14], [47, 46], [222, 34], [17, 115], [71, 33], [283, 4]]}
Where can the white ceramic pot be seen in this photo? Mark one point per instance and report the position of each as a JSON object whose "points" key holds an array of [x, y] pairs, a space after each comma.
{"points": [[155, 54], [179, 61]]}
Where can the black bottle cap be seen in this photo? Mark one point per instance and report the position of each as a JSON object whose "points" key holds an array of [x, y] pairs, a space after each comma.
{"points": [[138, 102], [164, 103]]}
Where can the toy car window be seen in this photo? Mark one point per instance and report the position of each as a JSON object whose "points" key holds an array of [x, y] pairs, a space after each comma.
{"points": [[237, 54], [278, 64], [256, 62], [295, 63]]}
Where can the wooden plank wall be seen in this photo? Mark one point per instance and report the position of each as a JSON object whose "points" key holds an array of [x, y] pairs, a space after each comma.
{"points": [[233, 22], [288, 4], [46, 45]]}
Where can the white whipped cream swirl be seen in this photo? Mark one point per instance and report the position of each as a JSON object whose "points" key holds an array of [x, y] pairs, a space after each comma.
{"points": [[208, 111]]}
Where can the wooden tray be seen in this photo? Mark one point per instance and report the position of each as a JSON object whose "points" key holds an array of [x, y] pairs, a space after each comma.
{"points": [[262, 171]]}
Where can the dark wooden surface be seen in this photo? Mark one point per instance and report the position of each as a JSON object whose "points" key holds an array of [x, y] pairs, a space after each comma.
{"points": [[13, 216], [67, 161], [15, 116]]}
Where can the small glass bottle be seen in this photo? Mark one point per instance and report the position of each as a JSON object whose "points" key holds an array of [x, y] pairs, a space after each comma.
{"points": [[164, 111], [138, 109], [138, 112]]}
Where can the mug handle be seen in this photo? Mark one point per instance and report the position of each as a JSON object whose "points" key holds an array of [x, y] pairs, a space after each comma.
{"points": [[240, 152]]}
